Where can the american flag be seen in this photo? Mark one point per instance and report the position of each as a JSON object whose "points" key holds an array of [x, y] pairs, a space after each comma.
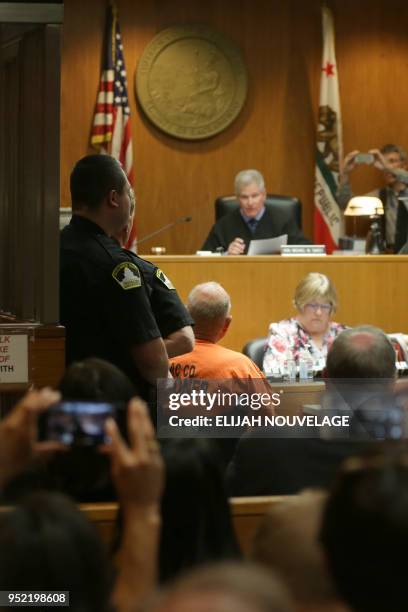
{"points": [[111, 129]]}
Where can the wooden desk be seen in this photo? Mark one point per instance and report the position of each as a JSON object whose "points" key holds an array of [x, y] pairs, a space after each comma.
{"points": [[370, 289], [295, 395]]}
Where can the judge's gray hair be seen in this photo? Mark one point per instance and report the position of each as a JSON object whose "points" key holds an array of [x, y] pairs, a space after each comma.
{"points": [[246, 177]]}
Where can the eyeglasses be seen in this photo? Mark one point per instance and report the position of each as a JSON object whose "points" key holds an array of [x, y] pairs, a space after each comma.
{"points": [[323, 307]]}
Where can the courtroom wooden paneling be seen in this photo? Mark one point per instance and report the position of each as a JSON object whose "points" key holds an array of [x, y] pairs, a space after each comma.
{"points": [[372, 55], [281, 44], [29, 165], [370, 289], [176, 178]]}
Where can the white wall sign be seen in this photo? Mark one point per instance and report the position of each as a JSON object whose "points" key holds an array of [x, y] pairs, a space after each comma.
{"points": [[13, 358]]}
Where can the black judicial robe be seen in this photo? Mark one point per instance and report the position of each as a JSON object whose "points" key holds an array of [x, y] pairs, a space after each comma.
{"points": [[271, 225]]}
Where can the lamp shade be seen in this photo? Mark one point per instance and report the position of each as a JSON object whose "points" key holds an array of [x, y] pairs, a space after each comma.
{"points": [[361, 206]]}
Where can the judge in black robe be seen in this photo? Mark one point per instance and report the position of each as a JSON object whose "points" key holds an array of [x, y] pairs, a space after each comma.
{"points": [[270, 225]]}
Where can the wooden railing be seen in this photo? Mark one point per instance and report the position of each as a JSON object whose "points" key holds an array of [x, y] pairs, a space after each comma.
{"points": [[246, 514]]}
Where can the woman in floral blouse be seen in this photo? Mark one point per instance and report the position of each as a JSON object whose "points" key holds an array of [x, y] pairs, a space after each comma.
{"points": [[312, 329]]}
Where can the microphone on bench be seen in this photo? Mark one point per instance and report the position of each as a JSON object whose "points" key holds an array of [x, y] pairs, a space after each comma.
{"points": [[186, 219]]}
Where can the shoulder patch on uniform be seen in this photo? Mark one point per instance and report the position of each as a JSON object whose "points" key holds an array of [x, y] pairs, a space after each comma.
{"points": [[164, 279], [127, 275]]}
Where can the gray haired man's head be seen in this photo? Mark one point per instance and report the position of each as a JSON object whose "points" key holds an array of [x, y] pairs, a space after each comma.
{"points": [[247, 177], [209, 305], [361, 352]]}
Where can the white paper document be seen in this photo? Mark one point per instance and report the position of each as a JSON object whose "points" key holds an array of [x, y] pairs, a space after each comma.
{"points": [[267, 246]]}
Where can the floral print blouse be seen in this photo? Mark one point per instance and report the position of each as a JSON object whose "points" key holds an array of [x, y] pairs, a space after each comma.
{"points": [[289, 336]]}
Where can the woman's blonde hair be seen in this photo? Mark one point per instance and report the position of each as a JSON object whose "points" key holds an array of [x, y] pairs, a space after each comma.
{"points": [[315, 286]]}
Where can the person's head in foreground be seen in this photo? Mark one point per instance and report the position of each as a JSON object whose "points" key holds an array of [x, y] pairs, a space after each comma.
{"points": [[360, 370], [210, 306], [83, 472], [315, 300], [202, 531], [361, 352], [287, 543], [224, 587], [365, 531], [95, 379], [249, 188], [46, 544]]}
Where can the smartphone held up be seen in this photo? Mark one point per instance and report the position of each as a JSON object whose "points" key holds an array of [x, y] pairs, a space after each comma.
{"points": [[80, 423], [364, 158]]}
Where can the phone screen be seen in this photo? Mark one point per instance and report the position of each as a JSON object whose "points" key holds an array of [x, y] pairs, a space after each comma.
{"points": [[364, 158], [77, 423]]}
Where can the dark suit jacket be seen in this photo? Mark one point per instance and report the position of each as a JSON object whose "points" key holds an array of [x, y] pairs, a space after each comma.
{"points": [[404, 250], [233, 226], [401, 232], [401, 227]]}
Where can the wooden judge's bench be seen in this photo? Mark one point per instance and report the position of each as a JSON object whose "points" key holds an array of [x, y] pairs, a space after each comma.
{"points": [[371, 289]]}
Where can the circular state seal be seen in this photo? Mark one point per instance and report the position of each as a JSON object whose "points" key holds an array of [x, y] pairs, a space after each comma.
{"points": [[191, 82]]}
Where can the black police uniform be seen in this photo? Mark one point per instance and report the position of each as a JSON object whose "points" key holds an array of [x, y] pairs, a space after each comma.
{"points": [[169, 311], [104, 304]]}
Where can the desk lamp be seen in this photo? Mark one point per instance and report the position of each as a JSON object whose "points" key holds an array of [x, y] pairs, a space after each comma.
{"points": [[368, 206]]}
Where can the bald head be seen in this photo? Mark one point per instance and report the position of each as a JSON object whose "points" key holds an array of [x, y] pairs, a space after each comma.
{"points": [[204, 601], [223, 587], [361, 352], [209, 305], [362, 341], [287, 543]]}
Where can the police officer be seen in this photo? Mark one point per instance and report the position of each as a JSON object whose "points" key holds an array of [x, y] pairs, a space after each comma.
{"points": [[104, 304], [172, 317]]}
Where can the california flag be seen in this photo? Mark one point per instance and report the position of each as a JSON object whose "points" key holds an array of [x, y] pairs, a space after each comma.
{"points": [[328, 224]]}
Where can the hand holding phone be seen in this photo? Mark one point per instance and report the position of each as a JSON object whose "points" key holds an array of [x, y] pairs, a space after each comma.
{"points": [[18, 433], [349, 162], [379, 160], [79, 423], [364, 158]]}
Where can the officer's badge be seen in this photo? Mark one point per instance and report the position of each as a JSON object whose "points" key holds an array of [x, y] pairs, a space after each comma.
{"points": [[164, 279], [127, 275]]}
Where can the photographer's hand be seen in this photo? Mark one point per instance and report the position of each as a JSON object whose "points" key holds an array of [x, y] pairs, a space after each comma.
{"points": [[18, 433], [348, 164], [138, 475], [137, 469], [379, 160]]}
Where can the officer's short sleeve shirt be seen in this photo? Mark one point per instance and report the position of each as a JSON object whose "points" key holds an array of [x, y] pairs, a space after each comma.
{"points": [[104, 304], [168, 309]]}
